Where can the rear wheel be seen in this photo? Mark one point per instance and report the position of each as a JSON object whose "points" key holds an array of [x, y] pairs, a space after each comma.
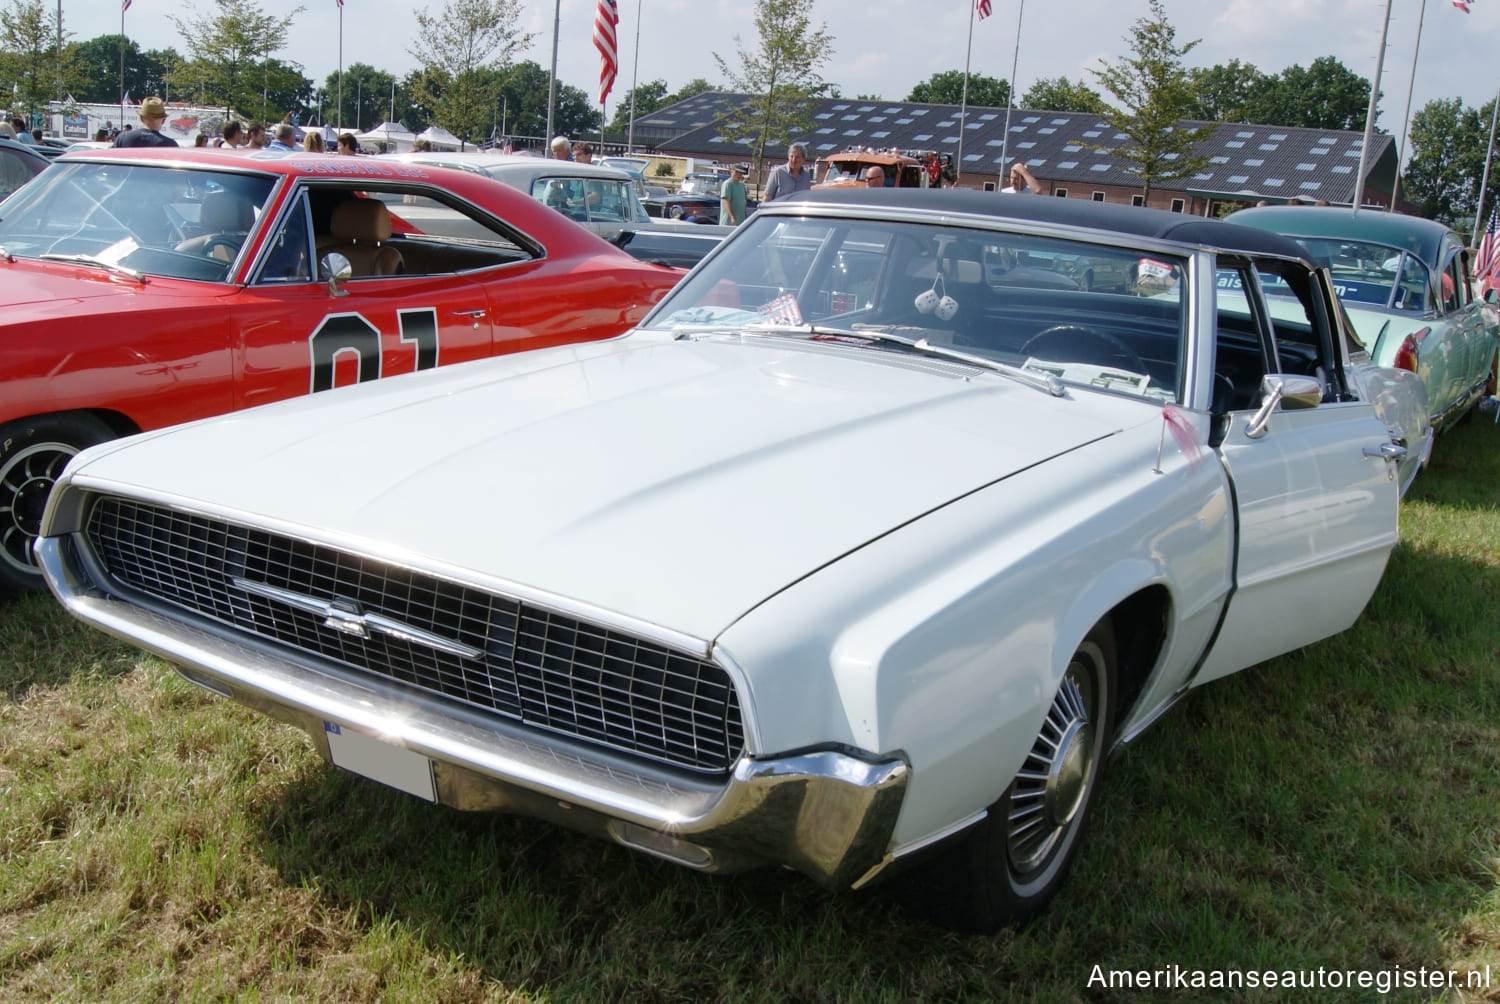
{"points": [[1007, 867], [675, 212], [33, 453]]}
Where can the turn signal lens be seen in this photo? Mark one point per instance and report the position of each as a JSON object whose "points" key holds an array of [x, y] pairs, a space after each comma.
{"points": [[1406, 355]]}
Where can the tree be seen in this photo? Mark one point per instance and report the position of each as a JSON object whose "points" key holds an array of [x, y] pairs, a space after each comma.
{"points": [[1448, 143], [227, 51], [367, 96], [1062, 95], [29, 56], [1325, 95], [523, 99], [947, 88], [1153, 95], [781, 76], [464, 52], [1222, 93], [95, 70]]}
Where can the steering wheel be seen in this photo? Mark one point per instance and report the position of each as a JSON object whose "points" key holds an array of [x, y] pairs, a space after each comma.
{"points": [[216, 242], [1077, 343]]}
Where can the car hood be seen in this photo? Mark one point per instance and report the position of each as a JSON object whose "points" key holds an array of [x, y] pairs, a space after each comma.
{"points": [[674, 483], [24, 283]]}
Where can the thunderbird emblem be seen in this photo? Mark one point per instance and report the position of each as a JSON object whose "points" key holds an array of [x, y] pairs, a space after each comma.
{"points": [[349, 617]]}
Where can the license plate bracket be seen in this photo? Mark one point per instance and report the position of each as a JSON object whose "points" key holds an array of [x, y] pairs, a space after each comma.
{"points": [[369, 757]]}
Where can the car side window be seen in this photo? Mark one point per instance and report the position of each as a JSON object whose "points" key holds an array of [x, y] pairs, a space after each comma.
{"points": [[1303, 341], [290, 256]]}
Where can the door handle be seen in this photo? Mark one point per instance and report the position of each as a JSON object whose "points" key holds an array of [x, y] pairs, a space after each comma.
{"points": [[474, 315], [1387, 451]]}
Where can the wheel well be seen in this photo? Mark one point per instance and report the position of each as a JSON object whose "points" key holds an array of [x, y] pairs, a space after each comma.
{"points": [[1140, 624], [118, 424]]}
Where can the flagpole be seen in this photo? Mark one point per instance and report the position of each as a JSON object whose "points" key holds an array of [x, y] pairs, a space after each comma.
{"points": [[1364, 147], [552, 80], [1010, 96], [341, 67], [634, 75], [963, 106], [1406, 116], [1484, 180], [124, 6]]}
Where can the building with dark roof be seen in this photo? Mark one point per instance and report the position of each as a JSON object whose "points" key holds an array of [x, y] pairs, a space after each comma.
{"points": [[1247, 163]]}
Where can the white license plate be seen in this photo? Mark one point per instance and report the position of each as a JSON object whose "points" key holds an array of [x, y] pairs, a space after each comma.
{"points": [[379, 761]]}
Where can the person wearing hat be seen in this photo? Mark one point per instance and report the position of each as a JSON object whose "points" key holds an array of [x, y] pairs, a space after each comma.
{"points": [[148, 133], [732, 197]]}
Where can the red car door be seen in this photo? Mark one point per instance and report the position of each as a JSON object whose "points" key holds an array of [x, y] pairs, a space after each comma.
{"points": [[300, 339]]}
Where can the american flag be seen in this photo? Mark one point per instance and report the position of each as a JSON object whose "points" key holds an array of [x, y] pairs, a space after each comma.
{"points": [[124, 6], [983, 7], [339, 2], [782, 310], [1462, 5], [606, 19], [1488, 257]]}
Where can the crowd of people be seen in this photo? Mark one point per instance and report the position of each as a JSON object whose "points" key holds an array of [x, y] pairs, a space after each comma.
{"points": [[233, 135]]}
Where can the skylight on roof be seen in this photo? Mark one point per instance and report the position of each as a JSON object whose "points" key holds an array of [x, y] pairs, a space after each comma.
{"points": [[1253, 162], [1238, 179], [1067, 165], [1274, 182], [1307, 166]]}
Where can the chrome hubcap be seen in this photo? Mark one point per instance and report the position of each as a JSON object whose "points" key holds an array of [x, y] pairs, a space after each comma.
{"points": [[1051, 786], [25, 483]]}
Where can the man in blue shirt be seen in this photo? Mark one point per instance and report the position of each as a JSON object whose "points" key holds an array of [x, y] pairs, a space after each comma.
{"points": [[793, 176]]}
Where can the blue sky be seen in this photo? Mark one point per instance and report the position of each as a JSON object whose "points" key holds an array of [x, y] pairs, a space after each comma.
{"points": [[884, 47]]}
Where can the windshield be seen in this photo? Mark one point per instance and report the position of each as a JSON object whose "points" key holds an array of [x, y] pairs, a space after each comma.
{"points": [[1104, 316], [155, 220], [1373, 274]]}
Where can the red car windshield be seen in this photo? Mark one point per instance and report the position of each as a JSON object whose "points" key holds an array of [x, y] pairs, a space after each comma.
{"points": [[156, 220]]}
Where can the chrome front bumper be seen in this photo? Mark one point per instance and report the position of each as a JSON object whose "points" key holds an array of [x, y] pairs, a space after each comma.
{"points": [[826, 813]]}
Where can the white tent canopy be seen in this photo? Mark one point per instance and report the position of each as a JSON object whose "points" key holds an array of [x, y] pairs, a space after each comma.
{"points": [[441, 139], [393, 135]]}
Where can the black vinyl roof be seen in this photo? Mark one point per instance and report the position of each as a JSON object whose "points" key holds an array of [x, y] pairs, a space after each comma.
{"points": [[1128, 221]]}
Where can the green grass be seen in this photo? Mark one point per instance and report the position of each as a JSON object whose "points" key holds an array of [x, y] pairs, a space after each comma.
{"points": [[1337, 808]]}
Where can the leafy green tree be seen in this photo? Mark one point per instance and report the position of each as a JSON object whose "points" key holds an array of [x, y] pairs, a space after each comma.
{"points": [[523, 93], [464, 51], [1153, 96], [947, 88], [227, 52], [1448, 143], [29, 56], [1062, 95], [367, 97], [780, 75], [95, 70], [1222, 92], [1325, 95]]}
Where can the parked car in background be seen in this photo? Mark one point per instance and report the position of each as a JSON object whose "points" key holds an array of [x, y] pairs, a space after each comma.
{"points": [[636, 168], [601, 199], [676, 247], [1404, 283], [697, 200], [845, 556], [19, 163], [847, 169], [148, 287]]}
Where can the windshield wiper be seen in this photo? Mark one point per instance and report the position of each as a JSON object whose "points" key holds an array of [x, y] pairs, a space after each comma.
{"points": [[108, 266], [1042, 381]]}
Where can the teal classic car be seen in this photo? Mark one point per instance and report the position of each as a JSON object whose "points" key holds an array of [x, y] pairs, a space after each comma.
{"points": [[1403, 282]]}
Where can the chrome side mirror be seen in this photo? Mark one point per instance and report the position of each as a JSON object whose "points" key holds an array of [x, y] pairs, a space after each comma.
{"points": [[1291, 393], [337, 270]]}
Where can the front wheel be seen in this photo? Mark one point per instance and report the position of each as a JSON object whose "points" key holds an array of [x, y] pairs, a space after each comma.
{"points": [[33, 453], [1012, 863]]}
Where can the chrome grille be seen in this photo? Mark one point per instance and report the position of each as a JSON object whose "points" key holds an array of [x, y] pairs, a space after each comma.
{"points": [[501, 656]]}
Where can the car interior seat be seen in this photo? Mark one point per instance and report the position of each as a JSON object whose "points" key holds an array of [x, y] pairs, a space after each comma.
{"points": [[359, 230], [226, 218]]}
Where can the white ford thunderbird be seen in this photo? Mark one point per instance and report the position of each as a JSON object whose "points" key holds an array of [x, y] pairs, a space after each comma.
{"points": [[867, 548]]}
